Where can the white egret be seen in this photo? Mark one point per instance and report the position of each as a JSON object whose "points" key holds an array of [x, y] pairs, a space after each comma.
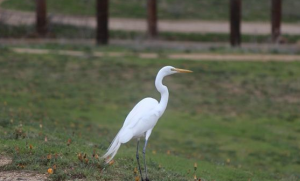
{"points": [[143, 117]]}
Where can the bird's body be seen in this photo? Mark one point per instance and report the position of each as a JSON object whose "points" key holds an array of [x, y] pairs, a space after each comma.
{"points": [[143, 117]]}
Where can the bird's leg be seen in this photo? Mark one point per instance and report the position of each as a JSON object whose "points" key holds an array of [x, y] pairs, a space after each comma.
{"points": [[144, 154], [138, 158]]}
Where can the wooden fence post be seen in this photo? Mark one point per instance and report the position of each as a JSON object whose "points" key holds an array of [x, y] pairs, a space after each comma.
{"points": [[276, 19], [235, 22], [152, 18], [41, 17], [102, 22]]}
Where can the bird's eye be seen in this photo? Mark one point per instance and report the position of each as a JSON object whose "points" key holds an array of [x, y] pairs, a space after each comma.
{"points": [[172, 69]]}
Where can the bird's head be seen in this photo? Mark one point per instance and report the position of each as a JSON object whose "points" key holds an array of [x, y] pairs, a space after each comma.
{"points": [[169, 70]]}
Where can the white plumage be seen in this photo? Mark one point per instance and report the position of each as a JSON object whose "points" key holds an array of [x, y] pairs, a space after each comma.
{"points": [[135, 118], [143, 117]]}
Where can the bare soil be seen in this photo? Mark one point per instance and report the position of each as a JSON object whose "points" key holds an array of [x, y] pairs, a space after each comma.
{"points": [[17, 175], [4, 160], [21, 175]]}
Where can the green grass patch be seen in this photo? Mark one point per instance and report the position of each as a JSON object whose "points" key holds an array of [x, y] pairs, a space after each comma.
{"points": [[253, 10], [238, 121], [69, 32]]}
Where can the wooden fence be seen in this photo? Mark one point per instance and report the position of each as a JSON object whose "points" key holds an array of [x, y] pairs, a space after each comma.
{"points": [[102, 15]]}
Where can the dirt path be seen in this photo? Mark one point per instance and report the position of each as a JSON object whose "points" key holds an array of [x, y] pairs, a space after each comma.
{"points": [[4, 160], [175, 56], [13, 17], [21, 175], [18, 175]]}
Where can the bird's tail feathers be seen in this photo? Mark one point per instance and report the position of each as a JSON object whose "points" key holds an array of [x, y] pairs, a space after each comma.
{"points": [[112, 149]]}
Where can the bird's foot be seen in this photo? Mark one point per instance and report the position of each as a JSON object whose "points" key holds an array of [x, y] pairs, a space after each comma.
{"points": [[147, 179]]}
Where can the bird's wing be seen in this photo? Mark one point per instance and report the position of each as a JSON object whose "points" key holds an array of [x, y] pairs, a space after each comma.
{"points": [[141, 108]]}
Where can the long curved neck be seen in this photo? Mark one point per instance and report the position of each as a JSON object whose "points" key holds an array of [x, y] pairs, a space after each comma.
{"points": [[163, 91]]}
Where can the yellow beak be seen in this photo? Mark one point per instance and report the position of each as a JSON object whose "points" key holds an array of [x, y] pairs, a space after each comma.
{"points": [[183, 70]]}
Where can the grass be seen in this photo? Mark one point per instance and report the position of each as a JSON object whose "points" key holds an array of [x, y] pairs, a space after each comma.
{"points": [[253, 10], [69, 32], [238, 121]]}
